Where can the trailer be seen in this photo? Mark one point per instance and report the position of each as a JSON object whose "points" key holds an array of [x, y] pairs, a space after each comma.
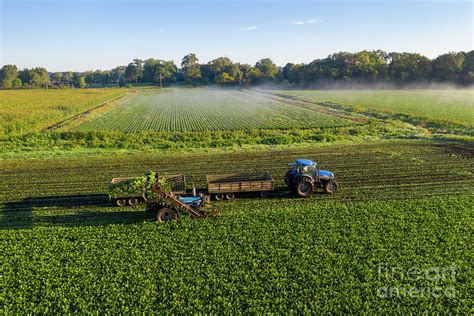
{"points": [[224, 186], [131, 189]]}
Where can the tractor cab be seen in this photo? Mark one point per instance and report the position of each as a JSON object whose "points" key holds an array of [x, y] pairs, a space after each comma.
{"points": [[306, 166], [303, 166], [305, 175]]}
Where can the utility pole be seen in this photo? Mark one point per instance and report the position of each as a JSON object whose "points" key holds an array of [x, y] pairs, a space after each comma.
{"points": [[161, 81]]}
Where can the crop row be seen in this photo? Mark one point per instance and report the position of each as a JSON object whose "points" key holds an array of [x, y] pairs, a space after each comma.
{"points": [[362, 166], [205, 110], [390, 171], [444, 105], [348, 180]]}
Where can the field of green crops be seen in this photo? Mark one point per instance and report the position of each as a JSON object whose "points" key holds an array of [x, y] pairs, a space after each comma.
{"points": [[206, 110], [374, 171], [33, 110], [395, 238], [453, 106], [317, 258], [402, 204]]}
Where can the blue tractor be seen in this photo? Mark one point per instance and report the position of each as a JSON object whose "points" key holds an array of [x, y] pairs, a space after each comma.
{"points": [[305, 176]]}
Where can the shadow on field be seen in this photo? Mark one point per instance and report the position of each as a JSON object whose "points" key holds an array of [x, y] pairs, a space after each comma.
{"points": [[91, 210], [66, 210]]}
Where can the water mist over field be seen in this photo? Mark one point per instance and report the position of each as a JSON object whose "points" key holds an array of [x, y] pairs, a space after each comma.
{"points": [[206, 109], [367, 86], [440, 103]]}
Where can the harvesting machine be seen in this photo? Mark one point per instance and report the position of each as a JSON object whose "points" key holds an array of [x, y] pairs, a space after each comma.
{"points": [[167, 206], [163, 194]]}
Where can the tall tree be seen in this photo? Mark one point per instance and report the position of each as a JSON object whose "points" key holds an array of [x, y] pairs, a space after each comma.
{"points": [[447, 67], [168, 70], [139, 64], [254, 75], [369, 66], [67, 78], [82, 82], [207, 74], [154, 69], [339, 66], [117, 73], [24, 75], [39, 77], [150, 67], [56, 77], [216, 69], [76, 79], [267, 68], [408, 67], [467, 72], [191, 68], [122, 82], [89, 76], [245, 71], [293, 73], [235, 72], [8, 74], [106, 77], [131, 73]]}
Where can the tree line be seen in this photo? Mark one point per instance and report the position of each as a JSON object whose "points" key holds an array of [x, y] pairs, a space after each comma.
{"points": [[362, 67]]}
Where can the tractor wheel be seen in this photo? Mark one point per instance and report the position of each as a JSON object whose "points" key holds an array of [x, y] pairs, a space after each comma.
{"points": [[230, 196], [264, 194], [219, 196], [304, 188], [166, 215], [330, 187], [121, 202], [132, 201]]}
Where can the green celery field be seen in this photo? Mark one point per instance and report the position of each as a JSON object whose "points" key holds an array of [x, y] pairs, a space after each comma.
{"points": [[405, 201], [65, 247], [206, 110], [313, 257], [453, 106]]}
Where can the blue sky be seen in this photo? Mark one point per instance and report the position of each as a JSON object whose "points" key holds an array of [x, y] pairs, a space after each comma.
{"points": [[86, 35]]}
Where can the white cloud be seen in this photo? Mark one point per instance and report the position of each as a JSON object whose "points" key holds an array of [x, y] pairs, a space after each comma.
{"points": [[246, 28], [307, 21]]}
